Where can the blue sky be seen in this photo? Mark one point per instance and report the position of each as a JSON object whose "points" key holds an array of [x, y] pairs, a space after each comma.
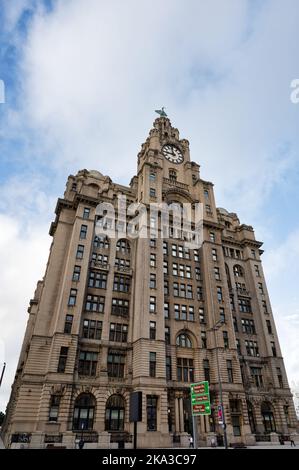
{"points": [[83, 78]]}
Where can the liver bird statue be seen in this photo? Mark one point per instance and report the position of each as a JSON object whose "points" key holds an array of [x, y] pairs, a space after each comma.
{"points": [[161, 112]]}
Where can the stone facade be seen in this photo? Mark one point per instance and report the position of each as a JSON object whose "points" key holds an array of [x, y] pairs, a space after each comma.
{"points": [[112, 316]]}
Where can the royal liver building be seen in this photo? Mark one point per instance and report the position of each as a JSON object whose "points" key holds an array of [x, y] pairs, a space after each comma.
{"points": [[116, 314]]}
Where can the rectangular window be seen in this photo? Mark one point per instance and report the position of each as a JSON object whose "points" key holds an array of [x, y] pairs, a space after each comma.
{"points": [[222, 315], [199, 291], [153, 260], [152, 176], [261, 288], [72, 297], [236, 425], [95, 303], [98, 280], [248, 326], [152, 304], [153, 281], [253, 254], [197, 274], [165, 267], [219, 294], [167, 334], [76, 273], [217, 273], [176, 292], [175, 269], [279, 377], [185, 370], [196, 255], [184, 312], [120, 307], [252, 348], [153, 243], [212, 237], [269, 327], [235, 324], [191, 313], [245, 305], [152, 330], [230, 375], [225, 339], [116, 364], [168, 368], [92, 329], [166, 310], [238, 347], [62, 359], [256, 374], [166, 288], [121, 283], [206, 369], [214, 254], [174, 250], [152, 364], [118, 332], [86, 212], [165, 248], [273, 347], [68, 324], [152, 192], [257, 270], [80, 252], [87, 363], [176, 311], [151, 412], [83, 232], [54, 408], [265, 308], [201, 315], [203, 336], [189, 291]]}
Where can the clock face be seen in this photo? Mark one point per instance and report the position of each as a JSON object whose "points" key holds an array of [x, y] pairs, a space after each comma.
{"points": [[172, 153]]}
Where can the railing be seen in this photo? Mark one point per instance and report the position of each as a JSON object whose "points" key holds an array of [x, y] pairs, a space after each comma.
{"points": [[173, 182], [88, 436], [262, 437], [99, 265]]}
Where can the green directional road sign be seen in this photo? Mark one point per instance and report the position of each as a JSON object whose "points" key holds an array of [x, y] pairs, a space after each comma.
{"points": [[200, 399]]}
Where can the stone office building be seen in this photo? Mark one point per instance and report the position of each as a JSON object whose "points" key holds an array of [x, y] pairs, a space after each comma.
{"points": [[116, 315]]}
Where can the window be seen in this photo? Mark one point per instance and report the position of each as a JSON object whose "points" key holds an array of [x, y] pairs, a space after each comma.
{"points": [[176, 311], [191, 313], [212, 237], [87, 363], [206, 194], [261, 288], [201, 315], [120, 307], [252, 348], [152, 330], [196, 255], [189, 291], [153, 281], [166, 310], [236, 425], [76, 273], [152, 304], [185, 370], [183, 341], [165, 248], [74, 186], [217, 273], [97, 280], [232, 303], [115, 413], [62, 359], [121, 283], [214, 254], [86, 212], [245, 305], [222, 315], [208, 209], [199, 291], [168, 368], [269, 327], [176, 292], [54, 407], [167, 334], [72, 297], [95, 303], [279, 377], [118, 332], [203, 336], [265, 308], [116, 364], [122, 264], [235, 324], [229, 367], [123, 246], [206, 369], [197, 274], [152, 364], [68, 324], [175, 269], [238, 347], [248, 326], [256, 374], [225, 339], [153, 243], [83, 232], [172, 175], [152, 176], [92, 329], [253, 254], [166, 288], [84, 412], [257, 270], [151, 412], [183, 312], [80, 252], [152, 192], [153, 260], [165, 267], [101, 242], [273, 347], [238, 271], [219, 294]]}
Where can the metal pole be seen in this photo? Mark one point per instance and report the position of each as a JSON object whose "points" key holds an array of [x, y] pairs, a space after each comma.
{"points": [[220, 390], [135, 434], [3, 369], [194, 432]]}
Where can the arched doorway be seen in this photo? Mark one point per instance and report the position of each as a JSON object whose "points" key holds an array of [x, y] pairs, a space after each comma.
{"points": [[84, 411], [268, 417], [115, 413]]}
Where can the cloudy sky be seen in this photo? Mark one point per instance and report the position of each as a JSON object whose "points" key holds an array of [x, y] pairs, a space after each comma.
{"points": [[82, 80]]}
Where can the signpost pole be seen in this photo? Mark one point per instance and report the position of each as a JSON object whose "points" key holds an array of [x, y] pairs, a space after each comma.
{"points": [[194, 432]]}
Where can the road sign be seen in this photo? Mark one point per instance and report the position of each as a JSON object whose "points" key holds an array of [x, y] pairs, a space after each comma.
{"points": [[200, 399]]}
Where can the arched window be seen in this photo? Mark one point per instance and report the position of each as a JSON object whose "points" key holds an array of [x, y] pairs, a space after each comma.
{"points": [[101, 242], [183, 341], [238, 271], [84, 411], [268, 417], [123, 246], [115, 413]]}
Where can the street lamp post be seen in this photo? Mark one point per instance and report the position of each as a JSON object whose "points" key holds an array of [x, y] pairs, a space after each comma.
{"points": [[3, 369], [218, 325]]}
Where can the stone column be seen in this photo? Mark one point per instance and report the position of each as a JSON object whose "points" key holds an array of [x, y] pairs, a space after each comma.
{"points": [[176, 415], [181, 415]]}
